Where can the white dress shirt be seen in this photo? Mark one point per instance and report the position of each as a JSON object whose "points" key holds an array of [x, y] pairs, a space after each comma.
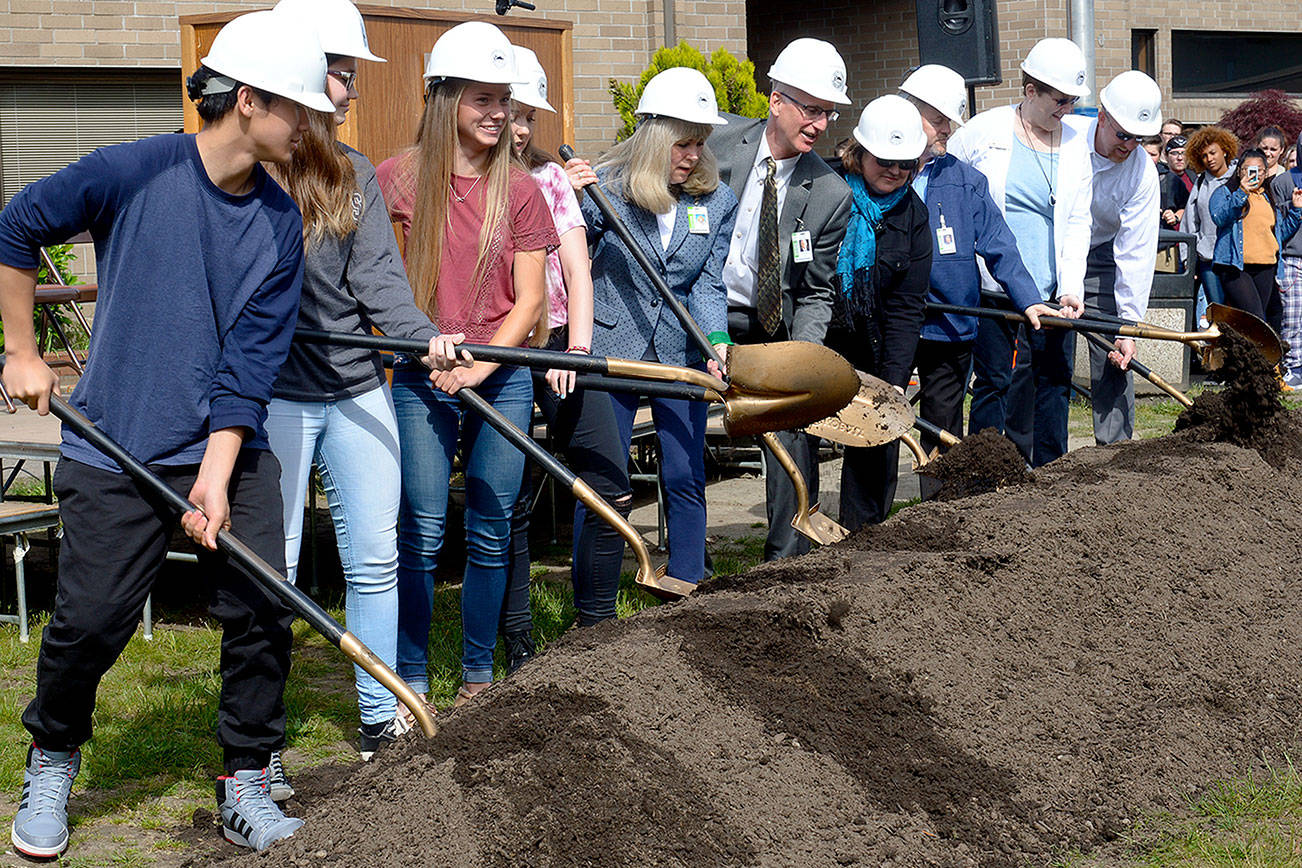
{"points": [[743, 264], [1125, 210], [666, 223]]}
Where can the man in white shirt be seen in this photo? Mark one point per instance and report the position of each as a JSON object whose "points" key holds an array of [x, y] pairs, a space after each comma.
{"points": [[1123, 237], [779, 275]]}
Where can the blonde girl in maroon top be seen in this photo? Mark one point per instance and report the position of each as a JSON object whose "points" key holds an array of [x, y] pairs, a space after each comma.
{"points": [[477, 233]]}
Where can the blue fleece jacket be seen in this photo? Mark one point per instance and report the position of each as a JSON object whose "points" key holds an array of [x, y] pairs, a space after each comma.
{"points": [[959, 195], [198, 293]]}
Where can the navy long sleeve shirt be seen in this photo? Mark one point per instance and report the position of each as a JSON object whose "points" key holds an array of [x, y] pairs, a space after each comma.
{"points": [[198, 294]]}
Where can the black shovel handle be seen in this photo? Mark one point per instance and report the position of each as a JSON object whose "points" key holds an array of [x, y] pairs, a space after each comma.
{"points": [[647, 388], [693, 329], [518, 356], [1143, 370]]}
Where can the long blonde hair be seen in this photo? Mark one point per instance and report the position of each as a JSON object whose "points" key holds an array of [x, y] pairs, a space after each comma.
{"points": [[431, 161], [640, 164], [321, 180]]}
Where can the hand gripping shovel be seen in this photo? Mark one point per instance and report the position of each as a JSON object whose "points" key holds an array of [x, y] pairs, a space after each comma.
{"points": [[749, 365], [256, 567], [1143, 370], [648, 578], [1205, 342]]}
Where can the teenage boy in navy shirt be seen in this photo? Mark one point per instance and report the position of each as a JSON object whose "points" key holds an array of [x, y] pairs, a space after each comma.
{"points": [[200, 261]]}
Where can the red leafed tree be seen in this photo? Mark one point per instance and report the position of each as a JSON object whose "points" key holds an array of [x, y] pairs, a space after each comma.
{"points": [[1264, 108]]}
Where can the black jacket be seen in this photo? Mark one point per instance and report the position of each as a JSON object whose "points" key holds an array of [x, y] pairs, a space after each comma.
{"points": [[883, 342]]}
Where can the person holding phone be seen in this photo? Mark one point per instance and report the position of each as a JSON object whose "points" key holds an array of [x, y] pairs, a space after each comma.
{"points": [[1249, 235]]}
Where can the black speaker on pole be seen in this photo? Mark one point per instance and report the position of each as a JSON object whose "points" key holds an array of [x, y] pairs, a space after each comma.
{"points": [[960, 34]]}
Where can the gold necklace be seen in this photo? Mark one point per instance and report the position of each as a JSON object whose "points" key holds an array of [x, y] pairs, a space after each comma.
{"points": [[459, 198]]}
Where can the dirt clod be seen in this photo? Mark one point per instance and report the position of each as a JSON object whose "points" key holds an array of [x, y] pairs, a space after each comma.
{"points": [[982, 462]]}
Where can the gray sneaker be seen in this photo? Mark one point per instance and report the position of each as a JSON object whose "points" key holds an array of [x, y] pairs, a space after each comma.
{"points": [[41, 825], [277, 781], [249, 817]]}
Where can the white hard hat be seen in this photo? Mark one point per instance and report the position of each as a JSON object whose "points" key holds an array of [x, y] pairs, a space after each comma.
{"points": [[476, 51], [939, 87], [1134, 101], [532, 89], [813, 66], [891, 128], [338, 25], [272, 52], [1058, 63], [680, 92]]}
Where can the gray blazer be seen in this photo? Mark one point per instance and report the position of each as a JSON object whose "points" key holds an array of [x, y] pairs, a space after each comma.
{"points": [[817, 200], [628, 314]]}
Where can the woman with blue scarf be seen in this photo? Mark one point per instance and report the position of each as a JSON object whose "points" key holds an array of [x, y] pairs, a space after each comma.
{"points": [[883, 272]]}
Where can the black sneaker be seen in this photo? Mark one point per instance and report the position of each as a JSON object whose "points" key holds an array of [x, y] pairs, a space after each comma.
{"points": [[519, 649], [278, 784], [373, 736], [249, 817]]}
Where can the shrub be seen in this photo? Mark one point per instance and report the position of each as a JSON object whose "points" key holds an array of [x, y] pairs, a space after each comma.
{"points": [[1264, 108], [733, 80]]}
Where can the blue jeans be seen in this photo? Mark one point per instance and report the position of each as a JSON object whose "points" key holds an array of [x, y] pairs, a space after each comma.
{"points": [[680, 431], [354, 444], [1210, 290], [1040, 394], [431, 424]]}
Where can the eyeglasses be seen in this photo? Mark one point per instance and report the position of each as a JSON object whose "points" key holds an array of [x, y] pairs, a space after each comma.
{"points": [[1063, 100], [906, 165], [812, 112], [347, 79]]}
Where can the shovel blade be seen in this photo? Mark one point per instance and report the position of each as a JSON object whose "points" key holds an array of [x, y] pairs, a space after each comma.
{"points": [[1251, 327], [816, 527], [877, 415], [785, 385], [665, 587]]}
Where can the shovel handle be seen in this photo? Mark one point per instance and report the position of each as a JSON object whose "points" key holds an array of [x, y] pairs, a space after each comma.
{"points": [[580, 489], [648, 388], [1144, 371], [946, 438], [617, 224], [261, 572], [518, 356]]}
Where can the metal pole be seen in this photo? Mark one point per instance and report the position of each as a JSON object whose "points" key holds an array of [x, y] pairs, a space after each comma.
{"points": [[1082, 33], [671, 34]]}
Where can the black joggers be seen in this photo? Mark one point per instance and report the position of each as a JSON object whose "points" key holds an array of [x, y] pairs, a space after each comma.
{"points": [[115, 538]]}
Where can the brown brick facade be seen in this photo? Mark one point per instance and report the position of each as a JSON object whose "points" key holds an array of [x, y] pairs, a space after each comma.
{"points": [[612, 38]]}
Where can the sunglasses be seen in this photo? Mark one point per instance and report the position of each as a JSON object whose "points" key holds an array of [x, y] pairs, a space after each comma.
{"points": [[812, 112], [1065, 100], [347, 79], [905, 165]]}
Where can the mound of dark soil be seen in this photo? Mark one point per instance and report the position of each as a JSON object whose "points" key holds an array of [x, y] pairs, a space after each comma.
{"points": [[987, 682], [983, 462], [1248, 411]]}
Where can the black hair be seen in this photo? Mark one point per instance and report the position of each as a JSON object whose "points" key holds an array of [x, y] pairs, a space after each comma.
{"points": [[1234, 181], [215, 106]]}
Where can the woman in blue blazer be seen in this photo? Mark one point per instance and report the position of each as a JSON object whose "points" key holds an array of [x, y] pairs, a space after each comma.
{"points": [[664, 184]]}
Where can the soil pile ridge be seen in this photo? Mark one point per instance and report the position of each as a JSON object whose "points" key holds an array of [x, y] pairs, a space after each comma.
{"points": [[987, 682]]}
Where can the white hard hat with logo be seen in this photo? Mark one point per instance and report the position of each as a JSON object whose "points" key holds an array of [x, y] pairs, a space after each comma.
{"points": [[680, 92], [475, 51], [1058, 63], [338, 25], [272, 52], [891, 128], [939, 87], [532, 88], [1134, 101], [813, 66]]}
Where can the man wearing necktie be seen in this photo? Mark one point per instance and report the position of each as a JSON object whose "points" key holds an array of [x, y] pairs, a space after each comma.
{"points": [[790, 222]]}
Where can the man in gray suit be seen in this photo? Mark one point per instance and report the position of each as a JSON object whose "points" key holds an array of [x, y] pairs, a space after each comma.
{"points": [[783, 251]]}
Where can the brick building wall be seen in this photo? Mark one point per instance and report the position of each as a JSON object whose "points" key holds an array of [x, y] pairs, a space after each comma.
{"points": [[879, 42], [612, 38]]}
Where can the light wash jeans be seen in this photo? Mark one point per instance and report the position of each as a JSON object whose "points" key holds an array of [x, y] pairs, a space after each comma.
{"points": [[431, 424], [354, 444]]}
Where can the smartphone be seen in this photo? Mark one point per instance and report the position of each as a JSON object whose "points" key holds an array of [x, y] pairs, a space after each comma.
{"points": [[1252, 174]]}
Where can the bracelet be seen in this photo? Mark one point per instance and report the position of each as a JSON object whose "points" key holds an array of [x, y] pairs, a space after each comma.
{"points": [[577, 348]]}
